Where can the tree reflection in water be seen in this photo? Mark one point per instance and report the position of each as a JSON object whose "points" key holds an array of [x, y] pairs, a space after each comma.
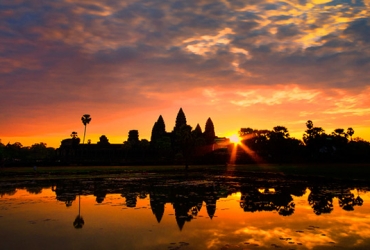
{"points": [[187, 195], [79, 221], [347, 200], [279, 200], [320, 200]]}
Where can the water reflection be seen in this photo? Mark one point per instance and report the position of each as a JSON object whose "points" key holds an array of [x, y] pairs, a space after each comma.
{"points": [[79, 221], [188, 196], [235, 212], [279, 200]]}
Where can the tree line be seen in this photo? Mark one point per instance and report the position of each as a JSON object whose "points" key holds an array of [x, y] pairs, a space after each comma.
{"points": [[17, 155], [277, 146], [185, 145]]}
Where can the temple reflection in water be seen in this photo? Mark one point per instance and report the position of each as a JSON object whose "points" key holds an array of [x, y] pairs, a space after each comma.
{"points": [[185, 211], [189, 195]]}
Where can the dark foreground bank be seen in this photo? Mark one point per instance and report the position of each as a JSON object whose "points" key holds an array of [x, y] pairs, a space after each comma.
{"points": [[336, 171]]}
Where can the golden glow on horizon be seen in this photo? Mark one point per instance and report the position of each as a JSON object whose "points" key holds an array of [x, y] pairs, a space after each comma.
{"points": [[240, 96], [229, 108], [234, 139]]}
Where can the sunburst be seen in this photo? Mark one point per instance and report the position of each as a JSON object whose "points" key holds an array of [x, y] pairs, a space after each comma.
{"points": [[235, 139]]}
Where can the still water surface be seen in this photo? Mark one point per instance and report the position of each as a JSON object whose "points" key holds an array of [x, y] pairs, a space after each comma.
{"points": [[219, 213]]}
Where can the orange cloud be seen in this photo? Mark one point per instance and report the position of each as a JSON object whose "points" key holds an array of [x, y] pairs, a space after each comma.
{"points": [[242, 64]]}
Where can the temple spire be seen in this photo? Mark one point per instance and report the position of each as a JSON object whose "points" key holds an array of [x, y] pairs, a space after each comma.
{"points": [[180, 120]]}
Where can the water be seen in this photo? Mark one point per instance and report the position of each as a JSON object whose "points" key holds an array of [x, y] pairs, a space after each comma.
{"points": [[220, 212]]}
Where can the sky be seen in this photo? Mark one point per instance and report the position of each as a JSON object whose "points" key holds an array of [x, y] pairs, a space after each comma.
{"points": [[243, 63]]}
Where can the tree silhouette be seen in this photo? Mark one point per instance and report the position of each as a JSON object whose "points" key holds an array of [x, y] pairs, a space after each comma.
{"points": [[74, 135], [74, 141], [309, 124], [318, 143], [79, 221], [281, 131], [256, 140], [339, 132], [312, 133], [39, 151], [103, 140], [281, 147], [245, 131], [350, 132], [85, 120]]}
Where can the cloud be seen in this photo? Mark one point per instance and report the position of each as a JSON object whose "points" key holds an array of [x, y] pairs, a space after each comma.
{"points": [[108, 54], [358, 30]]}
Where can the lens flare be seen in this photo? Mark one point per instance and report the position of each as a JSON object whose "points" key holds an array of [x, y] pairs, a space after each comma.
{"points": [[234, 139], [238, 144]]}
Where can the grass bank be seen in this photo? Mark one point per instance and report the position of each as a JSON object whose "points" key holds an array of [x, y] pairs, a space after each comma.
{"points": [[341, 171]]}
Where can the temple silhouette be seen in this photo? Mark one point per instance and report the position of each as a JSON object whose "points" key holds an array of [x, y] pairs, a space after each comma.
{"points": [[187, 145], [182, 145]]}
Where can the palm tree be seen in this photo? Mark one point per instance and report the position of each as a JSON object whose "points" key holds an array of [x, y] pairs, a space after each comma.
{"points": [[339, 132], [85, 120], [350, 132], [79, 221], [309, 124]]}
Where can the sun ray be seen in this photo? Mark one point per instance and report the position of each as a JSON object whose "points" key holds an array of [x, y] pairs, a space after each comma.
{"points": [[238, 143], [234, 149], [256, 158]]}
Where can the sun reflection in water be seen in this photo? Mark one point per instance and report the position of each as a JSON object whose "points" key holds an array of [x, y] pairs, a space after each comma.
{"points": [[129, 212]]}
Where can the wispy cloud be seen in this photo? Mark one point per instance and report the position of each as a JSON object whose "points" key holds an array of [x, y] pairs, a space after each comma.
{"points": [[113, 56]]}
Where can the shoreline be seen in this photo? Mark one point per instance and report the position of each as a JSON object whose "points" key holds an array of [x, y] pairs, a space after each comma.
{"points": [[335, 171]]}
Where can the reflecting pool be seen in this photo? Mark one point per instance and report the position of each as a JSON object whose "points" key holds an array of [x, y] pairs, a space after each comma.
{"points": [[149, 212]]}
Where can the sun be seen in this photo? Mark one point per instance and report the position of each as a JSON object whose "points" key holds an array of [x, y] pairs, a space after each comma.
{"points": [[234, 139]]}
